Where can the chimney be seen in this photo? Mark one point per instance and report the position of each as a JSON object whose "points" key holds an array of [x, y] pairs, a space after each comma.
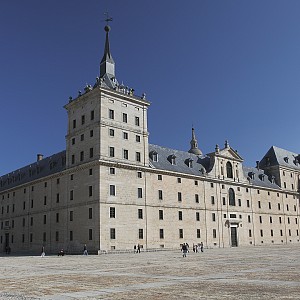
{"points": [[39, 157]]}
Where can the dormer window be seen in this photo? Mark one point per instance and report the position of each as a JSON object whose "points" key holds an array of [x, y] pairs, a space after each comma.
{"points": [[251, 175], [189, 162], [172, 159], [154, 156], [286, 159], [262, 177]]}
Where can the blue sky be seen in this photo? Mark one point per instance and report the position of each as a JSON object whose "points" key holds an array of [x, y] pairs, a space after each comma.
{"points": [[230, 68]]}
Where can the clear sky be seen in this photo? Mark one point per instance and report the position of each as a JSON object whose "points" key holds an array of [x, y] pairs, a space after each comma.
{"points": [[229, 67]]}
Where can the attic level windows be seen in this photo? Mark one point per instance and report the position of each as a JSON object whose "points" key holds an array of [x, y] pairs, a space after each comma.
{"points": [[286, 159], [154, 156], [229, 170], [171, 159]]}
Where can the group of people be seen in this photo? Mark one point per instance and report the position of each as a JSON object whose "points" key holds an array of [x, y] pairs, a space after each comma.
{"points": [[196, 248]]}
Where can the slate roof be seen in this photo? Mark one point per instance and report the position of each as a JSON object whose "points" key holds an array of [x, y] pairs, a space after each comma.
{"points": [[258, 177], [278, 156], [45, 167], [199, 163]]}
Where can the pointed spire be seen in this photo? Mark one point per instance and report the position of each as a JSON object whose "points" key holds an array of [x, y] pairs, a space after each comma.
{"points": [[194, 144], [107, 64]]}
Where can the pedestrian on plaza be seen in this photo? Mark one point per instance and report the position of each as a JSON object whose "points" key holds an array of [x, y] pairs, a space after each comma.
{"points": [[85, 252], [184, 250], [134, 248], [43, 252], [201, 247], [138, 248]]}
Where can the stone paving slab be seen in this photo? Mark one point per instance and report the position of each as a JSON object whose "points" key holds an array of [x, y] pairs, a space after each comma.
{"points": [[236, 273]]}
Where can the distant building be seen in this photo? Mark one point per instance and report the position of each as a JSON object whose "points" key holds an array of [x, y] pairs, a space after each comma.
{"points": [[110, 189]]}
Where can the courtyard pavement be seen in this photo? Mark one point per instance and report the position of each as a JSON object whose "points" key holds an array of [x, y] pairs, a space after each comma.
{"points": [[236, 273]]}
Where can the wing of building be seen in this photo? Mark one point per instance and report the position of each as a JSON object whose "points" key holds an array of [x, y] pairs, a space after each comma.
{"points": [[110, 189]]}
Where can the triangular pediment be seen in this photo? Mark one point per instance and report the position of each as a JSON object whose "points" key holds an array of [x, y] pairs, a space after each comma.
{"points": [[229, 153]]}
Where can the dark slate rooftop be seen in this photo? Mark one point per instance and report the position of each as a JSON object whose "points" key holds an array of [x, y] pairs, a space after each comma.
{"points": [[45, 167], [199, 163], [278, 156], [259, 178]]}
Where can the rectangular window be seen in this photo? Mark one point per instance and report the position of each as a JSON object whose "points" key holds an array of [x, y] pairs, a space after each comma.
{"points": [[125, 153], [112, 171], [71, 235], [57, 217], [141, 234], [31, 237], [111, 132], [81, 156], [124, 118], [71, 216], [249, 219], [112, 212], [224, 200], [91, 133], [91, 152], [280, 221], [160, 214], [240, 202], [90, 213], [73, 141], [137, 121], [270, 205], [90, 234], [250, 233], [31, 221], [213, 217], [271, 220], [137, 138], [57, 198], [125, 135], [198, 234], [74, 124], [92, 115], [159, 177], [212, 200], [82, 120], [196, 198], [161, 233], [259, 205], [73, 159], [112, 190], [179, 180], [214, 233], [260, 219], [180, 215], [82, 137], [197, 216], [44, 236], [179, 196], [45, 219], [261, 233], [271, 232], [90, 172], [140, 193], [140, 213], [211, 184], [90, 191], [181, 233], [111, 114], [248, 203], [160, 194], [24, 206], [45, 200], [56, 236], [112, 233], [138, 156], [71, 195], [139, 174]]}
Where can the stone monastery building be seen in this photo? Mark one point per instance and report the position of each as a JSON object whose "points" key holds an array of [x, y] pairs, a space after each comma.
{"points": [[110, 189]]}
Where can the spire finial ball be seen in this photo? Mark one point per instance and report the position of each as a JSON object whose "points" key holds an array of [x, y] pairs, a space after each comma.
{"points": [[107, 28]]}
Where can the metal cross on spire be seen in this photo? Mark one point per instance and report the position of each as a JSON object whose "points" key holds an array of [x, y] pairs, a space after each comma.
{"points": [[108, 18]]}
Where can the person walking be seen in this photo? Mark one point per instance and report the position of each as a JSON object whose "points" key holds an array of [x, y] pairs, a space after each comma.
{"points": [[138, 249], [184, 250], [201, 247], [43, 252], [85, 252]]}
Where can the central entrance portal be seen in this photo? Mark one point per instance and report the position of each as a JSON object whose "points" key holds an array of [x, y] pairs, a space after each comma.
{"points": [[233, 231]]}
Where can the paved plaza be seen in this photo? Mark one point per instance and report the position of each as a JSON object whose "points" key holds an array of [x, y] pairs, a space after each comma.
{"points": [[236, 273]]}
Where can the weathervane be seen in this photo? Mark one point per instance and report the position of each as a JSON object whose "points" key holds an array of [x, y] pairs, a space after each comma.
{"points": [[108, 18]]}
